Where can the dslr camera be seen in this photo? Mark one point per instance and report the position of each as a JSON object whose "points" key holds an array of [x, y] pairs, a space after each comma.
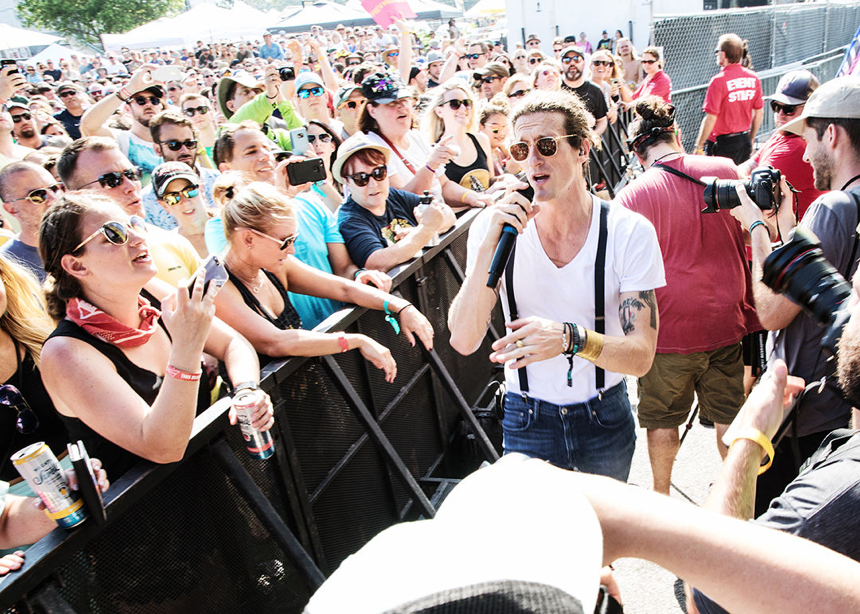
{"points": [[799, 270], [762, 187]]}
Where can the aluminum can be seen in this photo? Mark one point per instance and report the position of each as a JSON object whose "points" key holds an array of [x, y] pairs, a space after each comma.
{"points": [[38, 465], [259, 443]]}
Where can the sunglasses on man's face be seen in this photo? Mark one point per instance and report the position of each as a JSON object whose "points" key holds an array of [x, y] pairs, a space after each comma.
{"points": [[173, 198], [456, 103], [191, 111], [26, 421], [142, 101], [489, 79], [546, 146], [393, 54], [17, 118], [473, 56], [534, 60], [116, 232], [282, 243], [352, 64], [557, 50], [323, 138], [314, 91], [571, 58], [352, 105], [67, 93], [362, 179], [40, 195], [786, 109], [174, 145], [113, 180]]}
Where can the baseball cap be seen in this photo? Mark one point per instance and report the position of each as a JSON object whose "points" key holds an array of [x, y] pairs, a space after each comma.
{"points": [[795, 87], [353, 145], [306, 78], [163, 174], [573, 49], [838, 99], [458, 560], [65, 85], [383, 88], [344, 93], [435, 56], [240, 77], [16, 102], [492, 68], [532, 37]]}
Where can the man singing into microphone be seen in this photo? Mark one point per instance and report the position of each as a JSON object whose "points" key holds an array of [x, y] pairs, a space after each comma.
{"points": [[576, 259]]}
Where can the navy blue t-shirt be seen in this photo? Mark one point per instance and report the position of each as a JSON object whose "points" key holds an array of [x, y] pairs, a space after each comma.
{"points": [[364, 233]]}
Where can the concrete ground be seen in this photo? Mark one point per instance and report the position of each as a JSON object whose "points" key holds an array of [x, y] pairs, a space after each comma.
{"points": [[647, 588]]}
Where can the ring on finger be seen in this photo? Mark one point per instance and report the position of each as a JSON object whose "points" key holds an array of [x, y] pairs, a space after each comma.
{"points": [[519, 343]]}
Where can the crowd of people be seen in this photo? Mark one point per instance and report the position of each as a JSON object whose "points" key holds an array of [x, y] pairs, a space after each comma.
{"points": [[120, 175]]}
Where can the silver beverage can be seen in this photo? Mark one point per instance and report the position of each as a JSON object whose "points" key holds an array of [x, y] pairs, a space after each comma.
{"points": [[38, 465], [259, 443]]}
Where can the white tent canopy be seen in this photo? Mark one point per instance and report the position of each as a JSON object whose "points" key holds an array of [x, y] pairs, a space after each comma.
{"points": [[205, 22], [325, 14], [486, 7], [11, 37], [53, 52]]}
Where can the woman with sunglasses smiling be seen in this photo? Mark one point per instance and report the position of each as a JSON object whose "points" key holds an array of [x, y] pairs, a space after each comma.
{"points": [[784, 150], [606, 75], [123, 370], [416, 166], [382, 227], [177, 189], [323, 144], [27, 414], [496, 126], [451, 115], [261, 227], [656, 82]]}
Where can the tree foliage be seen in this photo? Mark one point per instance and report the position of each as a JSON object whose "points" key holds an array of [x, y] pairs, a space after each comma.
{"points": [[85, 20]]}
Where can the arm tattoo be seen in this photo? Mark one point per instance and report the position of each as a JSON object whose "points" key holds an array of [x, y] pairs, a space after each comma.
{"points": [[630, 307]]}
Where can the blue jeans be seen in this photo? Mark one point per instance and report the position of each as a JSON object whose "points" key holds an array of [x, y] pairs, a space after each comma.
{"points": [[597, 436]]}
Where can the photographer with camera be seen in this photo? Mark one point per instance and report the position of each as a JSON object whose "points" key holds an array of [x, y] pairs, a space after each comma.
{"points": [[706, 277], [830, 125]]}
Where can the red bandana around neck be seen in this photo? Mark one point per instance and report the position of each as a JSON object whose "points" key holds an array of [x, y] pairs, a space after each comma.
{"points": [[99, 324]]}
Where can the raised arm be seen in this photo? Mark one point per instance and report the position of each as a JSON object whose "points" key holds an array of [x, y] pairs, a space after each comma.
{"points": [[94, 119]]}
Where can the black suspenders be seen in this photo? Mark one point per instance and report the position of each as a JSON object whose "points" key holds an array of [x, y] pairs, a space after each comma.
{"points": [[599, 296]]}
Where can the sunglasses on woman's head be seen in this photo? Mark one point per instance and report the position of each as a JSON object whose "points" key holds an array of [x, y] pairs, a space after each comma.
{"points": [[191, 111], [457, 103], [113, 180], [362, 179], [173, 198], [314, 91], [26, 422], [323, 138], [40, 195], [283, 243], [546, 146], [116, 232]]}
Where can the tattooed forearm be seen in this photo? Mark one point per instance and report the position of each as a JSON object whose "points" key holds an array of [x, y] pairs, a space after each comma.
{"points": [[650, 299], [630, 308]]}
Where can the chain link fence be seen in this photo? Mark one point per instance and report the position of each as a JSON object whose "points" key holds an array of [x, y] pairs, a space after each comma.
{"points": [[780, 38]]}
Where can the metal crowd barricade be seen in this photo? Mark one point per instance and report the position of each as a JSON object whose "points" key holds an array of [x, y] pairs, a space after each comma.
{"points": [[220, 531]]}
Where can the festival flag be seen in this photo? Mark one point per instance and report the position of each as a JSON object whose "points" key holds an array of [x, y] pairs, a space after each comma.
{"points": [[851, 63]]}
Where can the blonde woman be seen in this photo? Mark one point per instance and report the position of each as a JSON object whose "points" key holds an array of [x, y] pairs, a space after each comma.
{"points": [[451, 114], [29, 415], [547, 76], [261, 227]]}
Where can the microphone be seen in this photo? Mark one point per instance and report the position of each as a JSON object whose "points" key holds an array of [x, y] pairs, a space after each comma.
{"points": [[506, 242], [502, 255]]}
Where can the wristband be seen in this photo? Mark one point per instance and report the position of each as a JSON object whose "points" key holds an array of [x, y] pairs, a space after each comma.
{"points": [[357, 273], [427, 166], [389, 317], [463, 197], [185, 376], [343, 343], [406, 306], [249, 385], [593, 346], [755, 225], [753, 434]]}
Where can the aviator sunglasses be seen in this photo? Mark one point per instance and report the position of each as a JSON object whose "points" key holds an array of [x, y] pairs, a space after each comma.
{"points": [[323, 138], [546, 146], [116, 232], [314, 91], [283, 243], [173, 198], [362, 179], [40, 195]]}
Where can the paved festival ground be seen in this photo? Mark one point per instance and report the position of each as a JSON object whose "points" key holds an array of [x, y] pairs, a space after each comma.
{"points": [[645, 587]]}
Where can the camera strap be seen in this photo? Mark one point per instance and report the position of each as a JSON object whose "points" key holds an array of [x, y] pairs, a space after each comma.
{"points": [[599, 296], [677, 173]]}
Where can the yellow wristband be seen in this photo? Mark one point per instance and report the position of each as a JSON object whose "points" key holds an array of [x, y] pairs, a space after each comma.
{"points": [[463, 197], [753, 434]]}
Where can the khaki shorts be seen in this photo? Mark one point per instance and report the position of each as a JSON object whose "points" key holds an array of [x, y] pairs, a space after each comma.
{"points": [[666, 391]]}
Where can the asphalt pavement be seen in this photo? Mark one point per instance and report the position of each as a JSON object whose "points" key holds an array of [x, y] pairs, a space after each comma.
{"points": [[647, 588]]}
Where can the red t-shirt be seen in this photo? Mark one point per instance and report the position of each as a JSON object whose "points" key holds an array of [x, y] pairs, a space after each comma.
{"points": [[659, 85], [707, 302], [732, 96], [784, 151]]}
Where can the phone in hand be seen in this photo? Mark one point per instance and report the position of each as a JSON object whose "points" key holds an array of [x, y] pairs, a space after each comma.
{"points": [[87, 483], [8, 62], [312, 170], [299, 140], [164, 74], [213, 271]]}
